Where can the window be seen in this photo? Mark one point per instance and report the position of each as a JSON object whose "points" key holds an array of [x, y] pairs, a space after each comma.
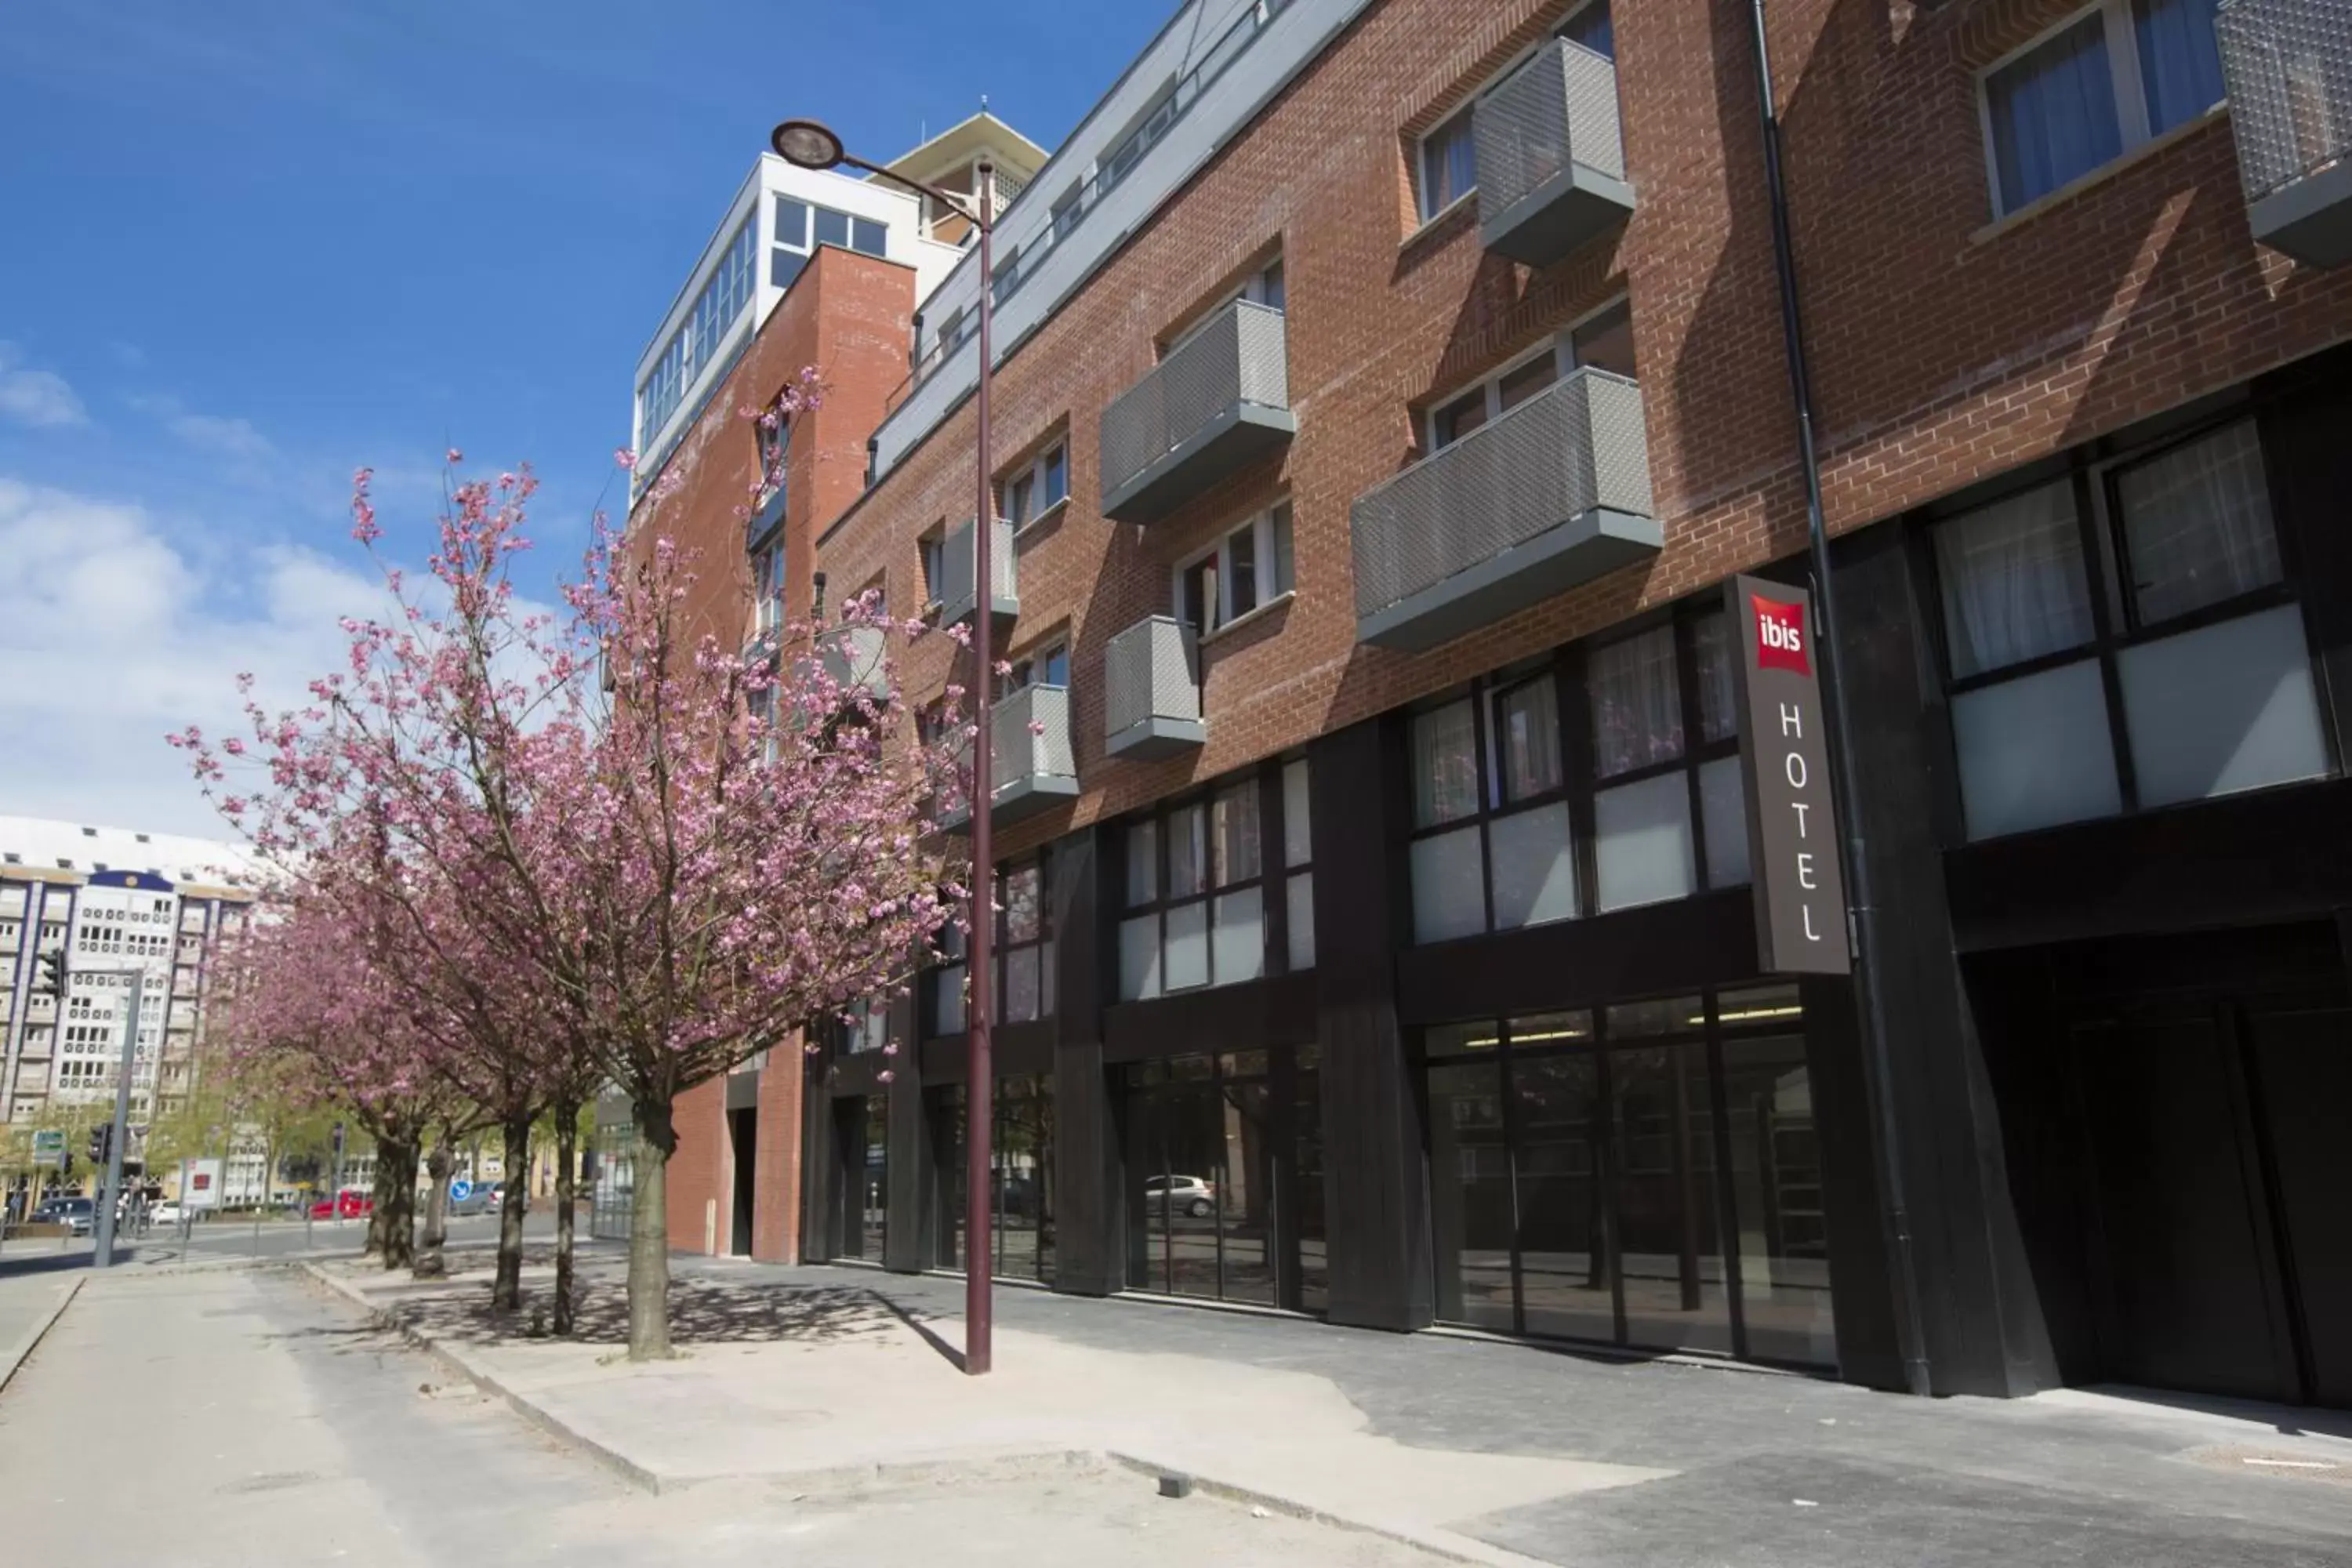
{"points": [[1036, 486], [768, 590], [1603, 341], [934, 548], [1449, 163], [690, 351], [2107, 80], [1048, 666], [1024, 946], [1245, 571], [1199, 877], [800, 227], [1515, 825], [1263, 286], [2158, 578], [1592, 26], [774, 435]]}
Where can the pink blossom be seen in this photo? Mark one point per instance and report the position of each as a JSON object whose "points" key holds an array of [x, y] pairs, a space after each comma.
{"points": [[625, 459]]}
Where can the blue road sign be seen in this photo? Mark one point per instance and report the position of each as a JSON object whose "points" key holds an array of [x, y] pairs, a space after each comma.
{"points": [[461, 1189]]}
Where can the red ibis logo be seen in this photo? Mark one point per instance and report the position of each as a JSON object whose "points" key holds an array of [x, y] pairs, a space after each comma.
{"points": [[1780, 635]]}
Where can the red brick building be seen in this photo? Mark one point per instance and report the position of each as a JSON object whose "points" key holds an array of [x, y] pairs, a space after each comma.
{"points": [[1386, 390]]}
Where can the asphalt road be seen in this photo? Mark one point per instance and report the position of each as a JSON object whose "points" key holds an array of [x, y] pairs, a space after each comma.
{"points": [[275, 1427]]}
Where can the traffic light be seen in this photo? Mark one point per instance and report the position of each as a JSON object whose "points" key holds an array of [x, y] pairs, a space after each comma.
{"points": [[54, 978], [101, 1142]]}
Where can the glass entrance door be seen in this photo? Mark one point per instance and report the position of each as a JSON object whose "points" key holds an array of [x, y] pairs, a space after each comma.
{"points": [[1201, 1138]]}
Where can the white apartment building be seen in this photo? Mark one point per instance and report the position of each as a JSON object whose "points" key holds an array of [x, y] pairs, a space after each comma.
{"points": [[780, 216], [110, 898]]}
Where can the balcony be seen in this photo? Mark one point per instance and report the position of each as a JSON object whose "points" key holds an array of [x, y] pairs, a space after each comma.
{"points": [[853, 658], [1552, 159], [2288, 64], [1151, 691], [1552, 494], [956, 573], [1218, 400], [1033, 771]]}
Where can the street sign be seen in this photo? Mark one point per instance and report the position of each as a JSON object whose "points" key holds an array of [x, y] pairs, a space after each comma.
{"points": [[202, 1189], [460, 1190], [50, 1146]]}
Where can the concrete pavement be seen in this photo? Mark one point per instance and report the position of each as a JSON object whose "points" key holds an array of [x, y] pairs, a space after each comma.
{"points": [[283, 1429], [1483, 1450]]}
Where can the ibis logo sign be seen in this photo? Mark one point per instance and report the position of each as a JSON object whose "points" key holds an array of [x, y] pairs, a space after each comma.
{"points": [[1793, 832], [1780, 634]]}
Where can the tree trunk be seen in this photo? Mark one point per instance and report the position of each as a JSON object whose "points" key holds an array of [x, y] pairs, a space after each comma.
{"points": [[432, 1258], [649, 1234], [567, 1167], [506, 1291], [393, 1224]]}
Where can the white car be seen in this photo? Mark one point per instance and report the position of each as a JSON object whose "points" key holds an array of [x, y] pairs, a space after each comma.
{"points": [[1191, 1196], [169, 1213]]}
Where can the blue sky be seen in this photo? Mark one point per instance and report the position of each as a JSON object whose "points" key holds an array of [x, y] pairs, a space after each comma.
{"points": [[249, 247]]}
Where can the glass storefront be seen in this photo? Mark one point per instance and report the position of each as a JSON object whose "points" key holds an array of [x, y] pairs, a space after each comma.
{"points": [[862, 1132], [1211, 1210], [612, 1184], [1587, 1170], [1021, 1192]]}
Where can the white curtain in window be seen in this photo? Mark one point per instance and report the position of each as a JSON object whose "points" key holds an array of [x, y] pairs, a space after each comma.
{"points": [[1526, 732], [1142, 863], [2013, 582], [1020, 1005], [2054, 113], [1718, 719], [947, 992], [1188, 851], [2196, 521], [1445, 765], [1637, 703], [1234, 833]]}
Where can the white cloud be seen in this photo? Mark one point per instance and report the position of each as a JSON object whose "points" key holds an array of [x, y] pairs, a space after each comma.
{"points": [[117, 632], [229, 438], [40, 399]]}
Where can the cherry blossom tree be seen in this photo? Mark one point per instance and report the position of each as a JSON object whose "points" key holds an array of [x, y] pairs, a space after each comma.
{"points": [[592, 846]]}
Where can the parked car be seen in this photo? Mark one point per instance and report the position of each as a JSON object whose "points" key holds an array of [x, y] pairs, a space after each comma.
{"points": [[497, 1197], [478, 1200], [170, 1213], [81, 1215], [349, 1204], [1191, 1196]]}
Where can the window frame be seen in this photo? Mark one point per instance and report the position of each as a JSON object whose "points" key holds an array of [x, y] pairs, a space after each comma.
{"points": [[931, 560], [2116, 625], [1582, 782], [1268, 284], [1267, 529], [1032, 481], [1272, 878], [1042, 944], [2134, 123], [1560, 344], [1465, 107]]}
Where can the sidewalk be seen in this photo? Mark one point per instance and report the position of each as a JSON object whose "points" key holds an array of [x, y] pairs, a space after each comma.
{"points": [[839, 1378]]}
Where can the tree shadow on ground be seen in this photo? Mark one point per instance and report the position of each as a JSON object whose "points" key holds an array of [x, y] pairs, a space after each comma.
{"points": [[701, 1311]]}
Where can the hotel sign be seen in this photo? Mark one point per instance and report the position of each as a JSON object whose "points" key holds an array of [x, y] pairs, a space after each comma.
{"points": [[1793, 834]]}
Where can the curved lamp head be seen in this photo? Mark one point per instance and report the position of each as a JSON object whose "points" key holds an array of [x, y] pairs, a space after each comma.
{"points": [[806, 144]]}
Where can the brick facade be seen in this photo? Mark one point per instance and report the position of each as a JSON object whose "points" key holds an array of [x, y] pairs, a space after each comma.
{"points": [[1946, 346], [849, 316]]}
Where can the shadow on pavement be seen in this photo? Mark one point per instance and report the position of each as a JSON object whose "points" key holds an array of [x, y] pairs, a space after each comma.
{"points": [[700, 1312]]}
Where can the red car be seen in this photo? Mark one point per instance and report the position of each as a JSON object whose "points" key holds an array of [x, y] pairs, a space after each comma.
{"points": [[349, 1204]]}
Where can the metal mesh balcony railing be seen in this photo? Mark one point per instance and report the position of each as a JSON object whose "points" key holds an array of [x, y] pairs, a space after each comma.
{"points": [[1551, 157], [956, 562], [853, 658], [1033, 769], [1151, 690], [1236, 362], [1576, 449], [2289, 68]]}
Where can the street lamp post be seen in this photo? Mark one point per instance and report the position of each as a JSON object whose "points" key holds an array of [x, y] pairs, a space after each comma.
{"points": [[809, 144]]}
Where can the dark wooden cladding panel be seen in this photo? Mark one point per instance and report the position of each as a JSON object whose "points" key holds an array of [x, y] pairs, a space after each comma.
{"points": [[1087, 1214], [1255, 1015], [1662, 948], [1375, 1186]]}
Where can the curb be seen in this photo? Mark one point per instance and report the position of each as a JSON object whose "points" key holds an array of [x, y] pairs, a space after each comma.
{"points": [[33, 1336], [932, 1469]]}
